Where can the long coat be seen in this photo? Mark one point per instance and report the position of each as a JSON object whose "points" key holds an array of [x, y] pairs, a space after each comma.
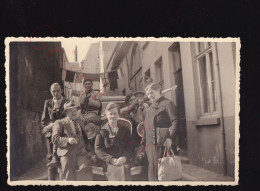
{"points": [[118, 145], [160, 124]]}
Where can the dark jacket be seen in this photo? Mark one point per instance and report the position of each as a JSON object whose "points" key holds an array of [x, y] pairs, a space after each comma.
{"points": [[160, 115], [50, 116], [107, 147]]}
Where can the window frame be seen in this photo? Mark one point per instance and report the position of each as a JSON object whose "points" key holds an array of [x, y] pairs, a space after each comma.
{"points": [[159, 71], [210, 69]]}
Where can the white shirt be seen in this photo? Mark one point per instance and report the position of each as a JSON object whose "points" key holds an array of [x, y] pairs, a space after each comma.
{"points": [[57, 103]]}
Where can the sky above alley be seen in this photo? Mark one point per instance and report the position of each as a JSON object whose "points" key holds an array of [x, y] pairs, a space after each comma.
{"points": [[82, 44]]}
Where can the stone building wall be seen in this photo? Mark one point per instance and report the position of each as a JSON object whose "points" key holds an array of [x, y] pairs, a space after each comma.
{"points": [[33, 68]]}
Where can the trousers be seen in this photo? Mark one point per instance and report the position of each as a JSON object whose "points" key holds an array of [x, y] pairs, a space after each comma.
{"points": [[52, 171], [118, 173], [153, 153], [75, 165]]}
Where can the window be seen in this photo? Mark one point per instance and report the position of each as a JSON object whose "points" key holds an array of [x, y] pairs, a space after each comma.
{"points": [[123, 92], [159, 72], [205, 62], [176, 60], [136, 69], [97, 68]]}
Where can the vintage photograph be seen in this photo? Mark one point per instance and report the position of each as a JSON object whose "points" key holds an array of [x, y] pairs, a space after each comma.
{"points": [[122, 111]]}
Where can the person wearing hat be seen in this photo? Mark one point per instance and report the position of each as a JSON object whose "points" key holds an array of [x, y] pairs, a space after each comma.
{"points": [[90, 107], [52, 111], [71, 148], [136, 106], [135, 110], [88, 100], [142, 106]]}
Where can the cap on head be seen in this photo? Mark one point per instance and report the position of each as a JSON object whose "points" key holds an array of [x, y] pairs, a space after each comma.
{"points": [[87, 80], [69, 105], [139, 92]]}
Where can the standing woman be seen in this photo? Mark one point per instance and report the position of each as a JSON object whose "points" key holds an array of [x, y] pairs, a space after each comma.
{"points": [[160, 128]]}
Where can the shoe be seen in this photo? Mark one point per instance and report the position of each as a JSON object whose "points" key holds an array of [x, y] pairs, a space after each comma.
{"points": [[53, 163]]}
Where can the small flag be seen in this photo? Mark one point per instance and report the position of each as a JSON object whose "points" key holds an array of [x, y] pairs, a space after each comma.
{"points": [[112, 77], [92, 76], [69, 76]]}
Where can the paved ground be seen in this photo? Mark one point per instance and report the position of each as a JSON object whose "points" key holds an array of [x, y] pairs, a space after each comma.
{"points": [[194, 173], [190, 173], [37, 172]]}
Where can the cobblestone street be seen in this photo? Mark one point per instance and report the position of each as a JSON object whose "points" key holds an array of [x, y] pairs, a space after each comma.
{"points": [[190, 173]]}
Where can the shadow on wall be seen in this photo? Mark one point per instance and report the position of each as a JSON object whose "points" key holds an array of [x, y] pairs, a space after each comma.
{"points": [[30, 144], [32, 72]]}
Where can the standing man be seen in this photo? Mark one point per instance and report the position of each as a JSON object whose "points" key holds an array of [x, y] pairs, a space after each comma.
{"points": [[71, 148], [52, 111]]}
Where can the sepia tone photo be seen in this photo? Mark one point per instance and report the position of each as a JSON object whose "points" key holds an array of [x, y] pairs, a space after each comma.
{"points": [[122, 111]]}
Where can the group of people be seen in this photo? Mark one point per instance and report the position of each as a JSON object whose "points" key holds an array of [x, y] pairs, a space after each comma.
{"points": [[72, 150]]}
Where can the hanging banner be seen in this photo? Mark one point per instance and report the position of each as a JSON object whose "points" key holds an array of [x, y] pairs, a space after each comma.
{"points": [[69, 76], [92, 76], [78, 77], [112, 77]]}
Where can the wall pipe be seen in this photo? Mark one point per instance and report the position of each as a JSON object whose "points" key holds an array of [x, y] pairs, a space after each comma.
{"points": [[221, 114]]}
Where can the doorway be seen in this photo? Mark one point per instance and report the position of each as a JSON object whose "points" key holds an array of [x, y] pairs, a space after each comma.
{"points": [[175, 61]]}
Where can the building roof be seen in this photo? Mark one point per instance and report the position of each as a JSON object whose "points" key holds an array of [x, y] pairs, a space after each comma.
{"points": [[120, 53]]}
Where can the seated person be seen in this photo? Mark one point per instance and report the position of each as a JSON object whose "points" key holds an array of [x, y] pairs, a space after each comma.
{"points": [[90, 110], [90, 105], [112, 145], [53, 109], [71, 149]]}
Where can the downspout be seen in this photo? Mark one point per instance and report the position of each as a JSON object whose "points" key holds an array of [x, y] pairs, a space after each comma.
{"points": [[128, 81], [221, 115]]}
